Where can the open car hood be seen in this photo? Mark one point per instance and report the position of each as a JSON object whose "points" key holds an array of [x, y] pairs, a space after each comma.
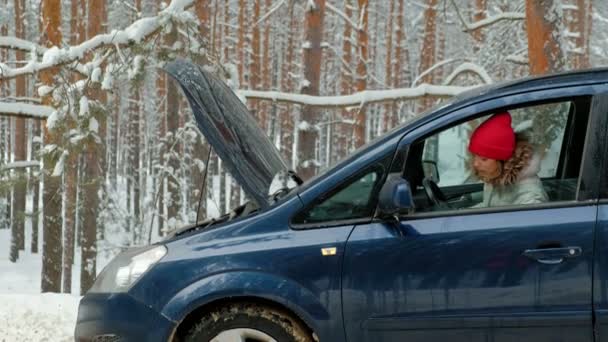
{"points": [[230, 129]]}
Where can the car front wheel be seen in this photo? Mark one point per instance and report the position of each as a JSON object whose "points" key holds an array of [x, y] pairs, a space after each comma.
{"points": [[248, 323]]}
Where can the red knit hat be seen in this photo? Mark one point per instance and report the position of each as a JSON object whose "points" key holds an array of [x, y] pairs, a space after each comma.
{"points": [[494, 138]]}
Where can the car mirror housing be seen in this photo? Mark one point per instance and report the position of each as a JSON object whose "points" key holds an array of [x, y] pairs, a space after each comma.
{"points": [[395, 196]]}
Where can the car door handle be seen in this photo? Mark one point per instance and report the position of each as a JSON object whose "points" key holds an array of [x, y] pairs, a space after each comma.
{"points": [[552, 256]]}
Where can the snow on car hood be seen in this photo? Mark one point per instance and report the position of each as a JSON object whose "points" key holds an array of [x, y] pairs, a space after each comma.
{"points": [[232, 131]]}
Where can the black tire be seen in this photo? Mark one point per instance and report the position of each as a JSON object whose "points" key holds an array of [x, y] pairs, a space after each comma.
{"points": [[276, 323]]}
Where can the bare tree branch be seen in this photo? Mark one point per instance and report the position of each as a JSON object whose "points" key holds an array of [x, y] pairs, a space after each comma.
{"points": [[342, 15], [270, 12], [469, 27]]}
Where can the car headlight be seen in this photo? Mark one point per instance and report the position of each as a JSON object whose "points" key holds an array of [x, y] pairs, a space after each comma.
{"points": [[126, 268]]}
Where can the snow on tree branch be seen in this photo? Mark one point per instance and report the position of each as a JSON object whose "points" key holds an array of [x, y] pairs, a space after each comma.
{"points": [[487, 21], [359, 98], [15, 43], [135, 33], [429, 70], [469, 68], [599, 17], [25, 110], [21, 164]]}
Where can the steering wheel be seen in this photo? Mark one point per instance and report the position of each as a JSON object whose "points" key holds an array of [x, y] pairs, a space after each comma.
{"points": [[435, 195]]}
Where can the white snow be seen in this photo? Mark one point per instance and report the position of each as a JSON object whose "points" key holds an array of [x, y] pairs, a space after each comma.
{"points": [[21, 44], [108, 79], [270, 12], [304, 126], [84, 106], [44, 90], [96, 75], [489, 20], [58, 169], [136, 32], [342, 15], [93, 125], [25, 109], [26, 315], [469, 67], [363, 97], [38, 317], [21, 164]]}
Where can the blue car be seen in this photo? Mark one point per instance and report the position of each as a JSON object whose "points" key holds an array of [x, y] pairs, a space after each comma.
{"points": [[391, 244]]}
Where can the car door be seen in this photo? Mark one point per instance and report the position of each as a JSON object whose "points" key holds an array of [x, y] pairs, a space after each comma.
{"points": [[495, 274], [600, 286]]}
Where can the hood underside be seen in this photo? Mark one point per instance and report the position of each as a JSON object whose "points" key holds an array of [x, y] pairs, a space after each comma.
{"points": [[230, 129]]}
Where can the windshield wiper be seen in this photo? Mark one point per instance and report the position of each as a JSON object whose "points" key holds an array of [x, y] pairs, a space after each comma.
{"points": [[240, 211]]}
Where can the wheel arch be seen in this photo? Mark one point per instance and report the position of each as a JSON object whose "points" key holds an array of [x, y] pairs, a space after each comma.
{"points": [[194, 316], [256, 287]]}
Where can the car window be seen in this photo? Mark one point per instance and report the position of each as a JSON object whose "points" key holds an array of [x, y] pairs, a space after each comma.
{"points": [[452, 143], [356, 198], [552, 134]]}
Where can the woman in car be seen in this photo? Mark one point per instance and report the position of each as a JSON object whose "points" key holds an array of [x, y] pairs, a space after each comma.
{"points": [[507, 163]]}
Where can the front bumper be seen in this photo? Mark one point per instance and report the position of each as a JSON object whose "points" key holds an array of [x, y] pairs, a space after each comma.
{"points": [[118, 317]]}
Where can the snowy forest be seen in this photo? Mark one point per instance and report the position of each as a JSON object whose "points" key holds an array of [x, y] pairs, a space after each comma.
{"points": [[99, 150]]}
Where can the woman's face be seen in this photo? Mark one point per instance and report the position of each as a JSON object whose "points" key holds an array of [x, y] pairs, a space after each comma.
{"points": [[486, 168]]}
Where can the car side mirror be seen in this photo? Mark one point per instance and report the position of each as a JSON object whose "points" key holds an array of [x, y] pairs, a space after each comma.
{"points": [[395, 197], [430, 169]]}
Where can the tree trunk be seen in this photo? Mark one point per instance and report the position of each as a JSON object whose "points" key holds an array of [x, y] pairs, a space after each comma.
{"points": [[3, 52], [576, 17], [266, 61], [20, 143], [312, 70], [94, 169], [35, 182], [71, 182], [255, 67], [162, 132], [429, 44], [77, 34], [401, 69], [361, 82], [51, 247], [226, 29], [88, 267], [114, 138], [544, 49], [173, 174], [346, 130], [479, 14], [286, 117], [134, 160], [241, 43], [389, 120], [97, 19]]}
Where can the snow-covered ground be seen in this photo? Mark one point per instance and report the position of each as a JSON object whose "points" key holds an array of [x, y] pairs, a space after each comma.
{"points": [[25, 313], [37, 317]]}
